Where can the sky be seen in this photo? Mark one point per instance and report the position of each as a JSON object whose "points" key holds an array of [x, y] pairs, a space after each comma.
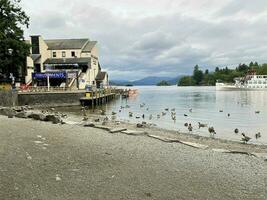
{"points": [[139, 38]]}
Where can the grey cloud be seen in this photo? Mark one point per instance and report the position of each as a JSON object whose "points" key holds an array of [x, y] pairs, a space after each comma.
{"points": [[169, 44]]}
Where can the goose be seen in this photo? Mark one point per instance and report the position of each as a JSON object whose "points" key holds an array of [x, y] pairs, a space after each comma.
{"points": [[202, 125], [211, 130], [245, 138], [236, 131], [190, 128], [257, 135]]}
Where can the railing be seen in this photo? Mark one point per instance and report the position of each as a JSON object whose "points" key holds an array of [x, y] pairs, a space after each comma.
{"points": [[43, 89]]}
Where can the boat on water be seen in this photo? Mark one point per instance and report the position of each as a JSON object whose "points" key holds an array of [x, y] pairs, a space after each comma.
{"points": [[251, 81]]}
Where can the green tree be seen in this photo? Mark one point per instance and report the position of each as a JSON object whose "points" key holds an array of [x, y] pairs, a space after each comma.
{"points": [[163, 83], [186, 81], [198, 75], [13, 49]]}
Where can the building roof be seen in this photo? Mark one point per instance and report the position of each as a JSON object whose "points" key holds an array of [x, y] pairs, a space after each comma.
{"points": [[66, 44], [35, 57], [68, 61], [89, 46], [100, 76]]}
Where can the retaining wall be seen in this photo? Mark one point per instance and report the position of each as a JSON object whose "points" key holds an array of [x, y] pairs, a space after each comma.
{"points": [[8, 98], [50, 99]]}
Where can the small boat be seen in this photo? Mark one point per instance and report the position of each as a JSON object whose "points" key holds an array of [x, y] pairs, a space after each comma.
{"points": [[250, 82]]}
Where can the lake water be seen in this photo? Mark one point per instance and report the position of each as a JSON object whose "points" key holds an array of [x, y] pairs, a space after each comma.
{"points": [[205, 103]]}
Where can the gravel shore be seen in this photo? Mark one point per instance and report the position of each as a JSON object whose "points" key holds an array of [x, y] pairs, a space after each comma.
{"points": [[40, 160]]}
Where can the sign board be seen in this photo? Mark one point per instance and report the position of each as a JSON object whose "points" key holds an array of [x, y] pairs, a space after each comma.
{"points": [[50, 74]]}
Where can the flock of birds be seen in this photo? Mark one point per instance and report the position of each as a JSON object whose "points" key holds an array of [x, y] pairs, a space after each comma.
{"points": [[172, 112]]}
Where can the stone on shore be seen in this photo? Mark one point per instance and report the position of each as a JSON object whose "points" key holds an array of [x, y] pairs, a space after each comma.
{"points": [[117, 130], [133, 132], [7, 112], [53, 118], [22, 115], [37, 116]]}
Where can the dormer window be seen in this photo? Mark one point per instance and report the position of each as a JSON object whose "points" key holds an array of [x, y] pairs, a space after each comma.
{"points": [[63, 54], [73, 54], [54, 54]]}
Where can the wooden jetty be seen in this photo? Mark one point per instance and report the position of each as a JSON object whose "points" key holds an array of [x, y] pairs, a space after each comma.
{"points": [[98, 98]]}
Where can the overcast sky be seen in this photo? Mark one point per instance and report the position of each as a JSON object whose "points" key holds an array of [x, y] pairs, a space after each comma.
{"points": [[139, 38]]}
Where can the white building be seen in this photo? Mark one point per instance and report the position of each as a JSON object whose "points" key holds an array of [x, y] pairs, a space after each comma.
{"points": [[72, 63]]}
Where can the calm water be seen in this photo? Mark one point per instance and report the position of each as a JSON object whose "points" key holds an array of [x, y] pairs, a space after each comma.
{"points": [[205, 103]]}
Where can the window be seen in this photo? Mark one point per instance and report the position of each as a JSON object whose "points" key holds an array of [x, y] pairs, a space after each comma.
{"points": [[73, 53], [54, 54], [63, 54]]}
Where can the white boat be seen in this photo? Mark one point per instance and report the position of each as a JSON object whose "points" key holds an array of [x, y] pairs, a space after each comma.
{"points": [[250, 82]]}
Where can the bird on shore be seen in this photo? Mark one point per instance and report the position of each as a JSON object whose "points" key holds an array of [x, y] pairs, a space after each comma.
{"points": [[211, 130], [245, 138], [186, 124], [236, 131], [190, 128], [200, 125], [257, 135]]}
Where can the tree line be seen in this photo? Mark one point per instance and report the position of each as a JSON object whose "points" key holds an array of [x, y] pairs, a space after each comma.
{"points": [[206, 78]]}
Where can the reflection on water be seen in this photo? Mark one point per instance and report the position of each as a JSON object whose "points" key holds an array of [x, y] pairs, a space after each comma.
{"points": [[205, 103]]}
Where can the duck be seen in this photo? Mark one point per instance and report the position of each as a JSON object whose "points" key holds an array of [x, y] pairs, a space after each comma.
{"points": [[130, 114], [186, 124], [190, 128], [166, 109], [211, 130], [185, 115], [245, 138], [257, 112], [200, 125], [257, 135], [236, 131]]}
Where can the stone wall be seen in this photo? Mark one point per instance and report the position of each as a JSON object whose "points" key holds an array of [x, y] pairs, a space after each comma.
{"points": [[8, 98], [50, 99]]}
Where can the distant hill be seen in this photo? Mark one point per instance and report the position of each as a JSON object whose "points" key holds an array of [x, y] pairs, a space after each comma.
{"points": [[150, 80]]}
